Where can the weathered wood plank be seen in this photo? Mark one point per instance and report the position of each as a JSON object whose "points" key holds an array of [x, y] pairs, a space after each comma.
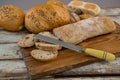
{"points": [[10, 51], [85, 78], [110, 11], [8, 37], [12, 68], [112, 67]]}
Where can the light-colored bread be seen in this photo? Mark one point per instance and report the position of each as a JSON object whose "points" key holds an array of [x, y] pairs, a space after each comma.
{"points": [[44, 55], [47, 33], [84, 7], [84, 29], [11, 17], [74, 17], [47, 16], [46, 46], [27, 41], [85, 16]]}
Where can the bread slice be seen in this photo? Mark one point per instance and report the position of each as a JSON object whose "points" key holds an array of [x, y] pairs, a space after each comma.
{"points": [[46, 46], [84, 7], [44, 55], [27, 41]]}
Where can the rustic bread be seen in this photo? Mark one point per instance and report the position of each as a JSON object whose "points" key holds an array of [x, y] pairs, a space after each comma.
{"points": [[86, 16], [84, 7], [46, 17], [46, 46], [84, 29], [47, 33], [74, 17], [44, 55], [11, 17], [27, 41]]}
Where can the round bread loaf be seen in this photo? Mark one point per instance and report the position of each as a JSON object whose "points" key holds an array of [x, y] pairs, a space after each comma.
{"points": [[11, 17], [47, 16]]}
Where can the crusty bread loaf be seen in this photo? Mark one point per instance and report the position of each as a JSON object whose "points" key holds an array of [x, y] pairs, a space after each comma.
{"points": [[84, 29], [46, 17], [46, 46], [84, 7], [11, 17], [27, 41], [44, 55]]}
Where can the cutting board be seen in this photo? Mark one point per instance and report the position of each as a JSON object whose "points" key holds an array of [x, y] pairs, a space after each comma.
{"points": [[68, 59]]}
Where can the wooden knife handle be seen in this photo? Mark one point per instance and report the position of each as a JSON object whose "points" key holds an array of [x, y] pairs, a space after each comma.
{"points": [[100, 54]]}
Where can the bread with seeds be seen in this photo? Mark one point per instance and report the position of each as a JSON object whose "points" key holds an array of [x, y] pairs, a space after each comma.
{"points": [[46, 46], [46, 16], [27, 41], [11, 17], [44, 55]]}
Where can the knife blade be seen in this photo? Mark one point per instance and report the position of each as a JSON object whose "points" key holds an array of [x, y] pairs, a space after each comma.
{"points": [[92, 52]]}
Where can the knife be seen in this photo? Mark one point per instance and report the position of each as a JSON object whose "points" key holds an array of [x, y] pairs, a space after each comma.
{"points": [[92, 52]]}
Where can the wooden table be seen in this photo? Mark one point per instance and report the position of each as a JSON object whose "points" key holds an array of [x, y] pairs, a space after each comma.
{"points": [[12, 65]]}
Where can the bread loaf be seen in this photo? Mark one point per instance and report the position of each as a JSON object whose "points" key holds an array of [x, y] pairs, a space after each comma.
{"points": [[80, 7], [11, 17], [44, 55], [47, 16], [84, 29]]}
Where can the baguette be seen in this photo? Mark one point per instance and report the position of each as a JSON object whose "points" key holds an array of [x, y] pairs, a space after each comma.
{"points": [[46, 46], [44, 55], [84, 29]]}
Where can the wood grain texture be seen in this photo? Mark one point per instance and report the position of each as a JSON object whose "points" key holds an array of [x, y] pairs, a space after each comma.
{"points": [[10, 37], [68, 59], [10, 51]]}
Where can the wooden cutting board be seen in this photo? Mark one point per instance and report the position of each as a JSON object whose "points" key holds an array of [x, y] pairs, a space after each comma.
{"points": [[68, 59]]}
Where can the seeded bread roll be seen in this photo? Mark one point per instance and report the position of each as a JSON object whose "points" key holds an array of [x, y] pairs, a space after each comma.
{"points": [[84, 29], [27, 41], [46, 17], [11, 17], [46, 46], [44, 55]]}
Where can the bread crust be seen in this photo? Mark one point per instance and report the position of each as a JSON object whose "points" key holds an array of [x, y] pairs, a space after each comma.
{"points": [[36, 54], [11, 18], [46, 17], [84, 29]]}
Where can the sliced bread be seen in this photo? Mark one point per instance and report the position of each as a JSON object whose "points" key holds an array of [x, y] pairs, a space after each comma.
{"points": [[46, 46], [27, 41], [44, 55]]}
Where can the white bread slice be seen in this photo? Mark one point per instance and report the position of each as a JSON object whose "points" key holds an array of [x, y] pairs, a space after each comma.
{"points": [[44, 55], [27, 41], [85, 7], [46, 46]]}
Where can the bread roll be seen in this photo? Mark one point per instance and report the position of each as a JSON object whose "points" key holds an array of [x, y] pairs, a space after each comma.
{"points": [[44, 55], [46, 17], [11, 17], [84, 7], [84, 29], [74, 18]]}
